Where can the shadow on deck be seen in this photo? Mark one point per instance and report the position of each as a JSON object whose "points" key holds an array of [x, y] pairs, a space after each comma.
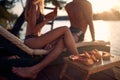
{"points": [[53, 73]]}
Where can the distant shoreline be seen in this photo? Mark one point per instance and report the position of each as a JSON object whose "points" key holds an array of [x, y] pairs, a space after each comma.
{"points": [[99, 18]]}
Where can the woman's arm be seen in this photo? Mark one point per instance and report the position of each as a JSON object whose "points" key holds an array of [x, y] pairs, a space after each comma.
{"points": [[31, 19], [50, 16]]}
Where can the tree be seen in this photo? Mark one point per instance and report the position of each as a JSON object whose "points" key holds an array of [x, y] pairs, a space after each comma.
{"points": [[5, 15], [20, 20], [6, 45]]}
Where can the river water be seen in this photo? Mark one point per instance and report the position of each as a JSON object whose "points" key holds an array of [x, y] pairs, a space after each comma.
{"points": [[104, 30]]}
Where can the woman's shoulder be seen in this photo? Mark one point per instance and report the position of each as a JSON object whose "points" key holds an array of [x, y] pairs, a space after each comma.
{"points": [[32, 9]]}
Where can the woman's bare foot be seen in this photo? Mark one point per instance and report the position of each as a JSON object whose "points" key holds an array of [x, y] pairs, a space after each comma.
{"points": [[14, 57], [25, 72]]}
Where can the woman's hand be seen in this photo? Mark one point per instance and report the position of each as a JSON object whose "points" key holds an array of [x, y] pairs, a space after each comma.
{"points": [[52, 15]]}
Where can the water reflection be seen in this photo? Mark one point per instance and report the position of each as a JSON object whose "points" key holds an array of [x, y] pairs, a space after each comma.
{"points": [[104, 30], [109, 31]]}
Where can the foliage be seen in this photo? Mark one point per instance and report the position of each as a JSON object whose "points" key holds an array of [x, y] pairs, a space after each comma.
{"points": [[54, 2], [7, 4], [58, 3], [5, 15], [107, 15]]}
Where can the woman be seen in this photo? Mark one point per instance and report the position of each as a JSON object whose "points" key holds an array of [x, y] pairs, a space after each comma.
{"points": [[61, 37]]}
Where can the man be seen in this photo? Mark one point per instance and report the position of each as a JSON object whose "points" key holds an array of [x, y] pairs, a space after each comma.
{"points": [[80, 16]]}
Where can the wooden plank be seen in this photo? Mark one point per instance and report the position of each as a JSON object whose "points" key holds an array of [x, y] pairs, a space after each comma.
{"points": [[54, 71], [81, 44]]}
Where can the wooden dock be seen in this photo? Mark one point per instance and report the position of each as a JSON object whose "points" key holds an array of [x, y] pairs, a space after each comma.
{"points": [[53, 73]]}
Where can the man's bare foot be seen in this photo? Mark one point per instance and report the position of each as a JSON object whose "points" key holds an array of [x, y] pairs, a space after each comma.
{"points": [[25, 72]]}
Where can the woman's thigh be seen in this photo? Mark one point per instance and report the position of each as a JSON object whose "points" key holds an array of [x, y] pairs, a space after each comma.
{"points": [[47, 38]]}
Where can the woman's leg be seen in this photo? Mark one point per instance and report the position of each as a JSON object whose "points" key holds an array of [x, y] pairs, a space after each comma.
{"points": [[31, 72], [6, 65], [66, 41], [53, 35]]}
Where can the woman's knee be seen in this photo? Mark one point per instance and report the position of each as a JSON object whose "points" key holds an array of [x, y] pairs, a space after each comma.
{"points": [[65, 28], [60, 45]]}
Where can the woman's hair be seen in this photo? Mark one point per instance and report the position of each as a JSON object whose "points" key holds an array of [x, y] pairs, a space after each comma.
{"points": [[29, 4]]}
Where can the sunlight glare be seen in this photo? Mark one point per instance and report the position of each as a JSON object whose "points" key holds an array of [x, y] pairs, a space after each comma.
{"points": [[102, 5], [102, 31]]}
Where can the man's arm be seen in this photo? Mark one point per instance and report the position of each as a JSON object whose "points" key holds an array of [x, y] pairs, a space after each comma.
{"points": [[87, 9]]}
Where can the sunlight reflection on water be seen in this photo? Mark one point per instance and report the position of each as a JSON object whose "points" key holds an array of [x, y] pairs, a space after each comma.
{"points": [[104, 30]]}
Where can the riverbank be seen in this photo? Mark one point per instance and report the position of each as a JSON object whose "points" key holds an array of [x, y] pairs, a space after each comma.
{"points": [[96, 17], [104, 30]]}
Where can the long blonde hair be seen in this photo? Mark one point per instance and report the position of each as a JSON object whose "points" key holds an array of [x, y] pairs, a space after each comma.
{"points": [[29, 4]]}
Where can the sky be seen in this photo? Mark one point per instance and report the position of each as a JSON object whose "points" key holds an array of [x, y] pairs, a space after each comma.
{"points": [[97, 5], [103, 5]]}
